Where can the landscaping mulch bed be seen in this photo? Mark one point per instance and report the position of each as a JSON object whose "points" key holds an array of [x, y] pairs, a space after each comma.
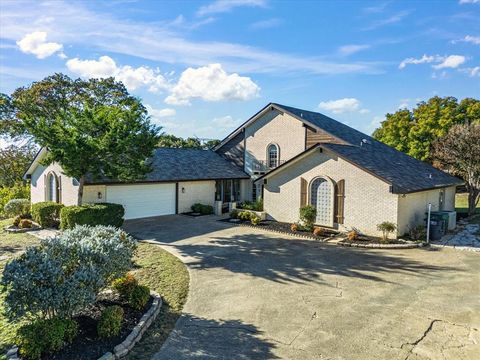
{"points": [[193, 214], [284, 228], [87, 345], [372, 242]]}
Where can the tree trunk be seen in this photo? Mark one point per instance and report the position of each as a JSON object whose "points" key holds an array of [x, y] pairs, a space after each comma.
{"points": [[80, 190], [472, 200]]}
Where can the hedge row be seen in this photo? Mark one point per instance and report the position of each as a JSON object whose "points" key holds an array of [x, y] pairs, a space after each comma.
{"points": [[47, 213], [92, 214]]}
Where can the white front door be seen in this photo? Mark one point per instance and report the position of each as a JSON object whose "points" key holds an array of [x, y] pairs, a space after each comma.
{"points": [[143, 200], [321, 196]]}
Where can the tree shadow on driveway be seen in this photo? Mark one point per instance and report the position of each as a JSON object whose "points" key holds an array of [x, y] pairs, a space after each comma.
{"points": [[295, 260], [199, 338]]}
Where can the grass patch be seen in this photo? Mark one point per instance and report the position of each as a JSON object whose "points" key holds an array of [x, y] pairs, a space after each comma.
{"points": [[167, 275], [11, 245], [461, 203]]}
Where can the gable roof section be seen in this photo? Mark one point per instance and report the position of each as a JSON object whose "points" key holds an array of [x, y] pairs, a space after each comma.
{"points": [[405, 173], [177, 164]]}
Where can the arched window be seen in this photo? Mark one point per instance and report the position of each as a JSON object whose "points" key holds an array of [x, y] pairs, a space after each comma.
{"points": [[322, 198], [272, 153], [52, 187]]}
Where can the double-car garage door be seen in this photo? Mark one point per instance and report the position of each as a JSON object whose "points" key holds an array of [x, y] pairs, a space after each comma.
{"points": [[143, 200]]}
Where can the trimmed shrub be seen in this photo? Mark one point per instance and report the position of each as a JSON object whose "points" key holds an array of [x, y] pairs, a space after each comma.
{"points": [[308, 215], [125, 285], [294, 227], [107, 214], [64, 274], [256, 205], [139, 297], [318, 231], [386, 228], [255, 220], [25, 224], [17, 191], [17, 207], [202, 209], [234, 214], [352, 235], [110, 322], [45, 336], [47, 213], [245, 215]]}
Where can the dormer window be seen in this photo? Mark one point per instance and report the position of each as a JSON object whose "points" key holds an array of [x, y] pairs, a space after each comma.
{"points": [[273, 155]]}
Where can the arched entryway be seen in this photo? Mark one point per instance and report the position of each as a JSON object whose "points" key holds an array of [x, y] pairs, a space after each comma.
{"points": [[322, 198]]}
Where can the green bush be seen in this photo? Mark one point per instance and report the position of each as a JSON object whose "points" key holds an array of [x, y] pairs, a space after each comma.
{"points": [[234, 214], [64, 274], [255, 220], [92, 214], [139, 297], [125, 285], [45, 336], [16, 207], [18, 191], [257, 205], [110, 322], [417, 232], [245, 215], [47, 213], [308, 215], [202, 209]]}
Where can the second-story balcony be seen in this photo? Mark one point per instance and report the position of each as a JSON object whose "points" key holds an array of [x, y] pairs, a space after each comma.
{"points": [[263, 166]]}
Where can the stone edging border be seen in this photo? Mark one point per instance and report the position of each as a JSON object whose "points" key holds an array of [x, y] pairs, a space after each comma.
{"points": [[135, 336], [284, 232], [15, 230], [382, 246]]}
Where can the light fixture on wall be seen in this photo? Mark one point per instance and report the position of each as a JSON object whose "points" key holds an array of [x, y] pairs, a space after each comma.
{"points": [[183, 190], [99, 195]]}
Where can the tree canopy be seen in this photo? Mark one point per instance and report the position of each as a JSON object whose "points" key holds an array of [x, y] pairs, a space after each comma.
{"points": [[14, 160], [172, 141], [90, 126], [459, 153], [414, 131]]}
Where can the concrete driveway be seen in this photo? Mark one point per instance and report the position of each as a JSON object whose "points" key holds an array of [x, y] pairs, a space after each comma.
{"points": [[259, 295]]}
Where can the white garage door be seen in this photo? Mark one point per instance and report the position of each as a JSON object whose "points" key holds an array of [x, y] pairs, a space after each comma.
{"points": [[143, 200]]}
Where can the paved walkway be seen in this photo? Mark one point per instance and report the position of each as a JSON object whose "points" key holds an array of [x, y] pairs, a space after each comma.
{"points": [[258, 295]]}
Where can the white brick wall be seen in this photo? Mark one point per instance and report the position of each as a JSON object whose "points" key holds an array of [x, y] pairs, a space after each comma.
{"points": [[368, 200], [90, 194], [195, 192], [412, 207], [37, 188], [285, 131]]}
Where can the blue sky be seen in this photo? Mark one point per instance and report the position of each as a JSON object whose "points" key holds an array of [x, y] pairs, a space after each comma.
{"points": [[203, 67]]}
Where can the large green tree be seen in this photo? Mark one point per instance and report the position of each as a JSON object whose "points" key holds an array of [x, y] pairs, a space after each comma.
{"points": [[90, 127], [14, 160], [413, 132], [459, 153], [172, 141]]}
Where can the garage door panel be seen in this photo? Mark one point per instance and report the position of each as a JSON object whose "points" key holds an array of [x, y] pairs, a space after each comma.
{"points": [[143, 200]]}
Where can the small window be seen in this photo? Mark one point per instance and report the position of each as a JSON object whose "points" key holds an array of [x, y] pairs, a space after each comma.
{"points": [[52, 188], [441, 200], [272, 155]]}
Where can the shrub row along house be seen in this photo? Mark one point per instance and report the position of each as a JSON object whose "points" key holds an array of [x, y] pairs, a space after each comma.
{"points": [[289, 157]]}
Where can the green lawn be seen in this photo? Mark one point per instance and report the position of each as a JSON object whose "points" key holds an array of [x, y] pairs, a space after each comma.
{"points": [[461, 203], [154, 267]]}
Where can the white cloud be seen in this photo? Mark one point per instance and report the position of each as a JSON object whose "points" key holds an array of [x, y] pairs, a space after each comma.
{"points": [[211, 83], [473, 71], [424, 59], [352, 49], [471, 39], [132, 78], [160, 113], [221, 6], [469, 1], [159, 41], [36, 43], [343, 106], [395, 18], [225, 122], [266, 24], [452, 61]]}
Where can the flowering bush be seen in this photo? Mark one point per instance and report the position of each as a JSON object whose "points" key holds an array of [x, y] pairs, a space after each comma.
{"points": [[64, 274], [17, 207]]}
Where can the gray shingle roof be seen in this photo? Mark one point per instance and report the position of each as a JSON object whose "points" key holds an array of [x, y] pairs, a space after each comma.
{"points": [[174, 164], [404, 172]]}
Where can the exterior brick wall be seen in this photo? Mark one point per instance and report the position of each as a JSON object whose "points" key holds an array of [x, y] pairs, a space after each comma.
{"points": [[274, 127], [368, 200], [195, 192], [69, 187], [412, 207], [90, 194]]}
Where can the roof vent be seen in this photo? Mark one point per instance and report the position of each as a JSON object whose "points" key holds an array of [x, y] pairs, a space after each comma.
{"points": [[364, 141], [301, 115], [430, 176]]}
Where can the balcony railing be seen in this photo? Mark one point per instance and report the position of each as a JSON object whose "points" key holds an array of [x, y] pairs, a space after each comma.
{"points": [[262, 166]]}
